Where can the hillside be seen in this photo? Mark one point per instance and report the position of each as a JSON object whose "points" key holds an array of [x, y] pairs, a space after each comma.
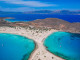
{"points": [[48, 23], [55, 23]]}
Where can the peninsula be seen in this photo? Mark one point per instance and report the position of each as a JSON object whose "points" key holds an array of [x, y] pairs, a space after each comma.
{"points": [[41, 29]]}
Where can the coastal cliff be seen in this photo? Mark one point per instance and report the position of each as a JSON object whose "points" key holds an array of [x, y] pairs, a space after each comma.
{"points": [[48, 23]]}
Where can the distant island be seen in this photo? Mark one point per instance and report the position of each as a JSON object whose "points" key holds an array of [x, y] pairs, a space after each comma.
{"points": [[55, 12]]}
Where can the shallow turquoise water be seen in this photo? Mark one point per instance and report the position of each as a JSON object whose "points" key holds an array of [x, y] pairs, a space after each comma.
{"points": [[15, 47], [64, 44]]}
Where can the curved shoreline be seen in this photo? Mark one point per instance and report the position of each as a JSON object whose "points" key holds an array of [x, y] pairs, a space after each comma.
{"points": [[26, 39], [48, 50], [40, 51], [36, 46], [59, 54]]}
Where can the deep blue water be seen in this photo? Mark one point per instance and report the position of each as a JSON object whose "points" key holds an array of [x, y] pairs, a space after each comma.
{"points": [[15, 47], [64, 44], [30, 17]]}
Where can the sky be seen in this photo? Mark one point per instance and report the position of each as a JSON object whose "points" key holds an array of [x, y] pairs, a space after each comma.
{"points": [[32, 5]]}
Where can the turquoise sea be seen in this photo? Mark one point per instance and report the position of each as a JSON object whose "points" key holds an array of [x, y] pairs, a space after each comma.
{"points": [[64, 44], [15, 47]]}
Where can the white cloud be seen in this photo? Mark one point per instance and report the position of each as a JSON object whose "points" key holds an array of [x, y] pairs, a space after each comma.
{"points": [[29, 3], [20, 9]]}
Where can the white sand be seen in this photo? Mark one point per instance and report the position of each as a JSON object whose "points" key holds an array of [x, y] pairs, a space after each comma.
{"points": [[40, 53]]}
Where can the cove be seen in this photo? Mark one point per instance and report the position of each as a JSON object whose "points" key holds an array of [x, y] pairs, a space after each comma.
{"points": [[15, 47], [64, 44]]}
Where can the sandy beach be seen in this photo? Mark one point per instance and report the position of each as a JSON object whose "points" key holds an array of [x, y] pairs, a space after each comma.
{"points": [[40, 52]]}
